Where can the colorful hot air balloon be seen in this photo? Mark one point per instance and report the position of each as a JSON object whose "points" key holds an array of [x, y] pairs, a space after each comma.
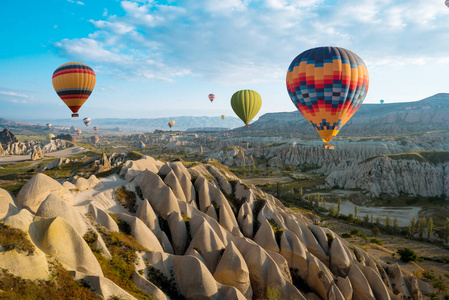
{"points": [[74, 82], [246, 104], [382, 101], [327, 85], [86, 121], [223, 117], [447, 3], [50, 137], [48, 125], [211, 97], [94, 139], [73, 139], [78, 132], [95, 128], [171, 123]]}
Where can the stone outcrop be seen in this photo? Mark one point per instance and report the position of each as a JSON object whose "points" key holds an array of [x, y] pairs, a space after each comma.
{"points": [[7, 137], [54, 164], [36, 153]]}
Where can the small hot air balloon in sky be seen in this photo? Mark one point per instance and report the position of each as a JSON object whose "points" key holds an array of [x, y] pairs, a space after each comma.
{"points": [[78, 132], [141, 145], [223, 117], [48, 125], [447, 3], [86, 121], [74, 82], [327, 85], [382, 101], [50, 136], [94, 139], [246, 104], [211, 97], [171, 123], [73, 139], [95, 128]]}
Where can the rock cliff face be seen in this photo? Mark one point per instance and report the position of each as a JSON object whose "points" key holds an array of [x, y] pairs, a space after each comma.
{"points": [[7, 137], [19, 148], [202, 230]]}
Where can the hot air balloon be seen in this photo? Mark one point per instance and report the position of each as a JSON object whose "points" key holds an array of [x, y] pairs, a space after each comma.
{"points": [[171, 123], [95, 128], [246, 104], [327, 85], [50, 136], [86, 121], [78, 132], [73, 139], [48, 125], [94, 139], [382, 101], [447, 3], [74, 82], [211, 97], [223, 116]]}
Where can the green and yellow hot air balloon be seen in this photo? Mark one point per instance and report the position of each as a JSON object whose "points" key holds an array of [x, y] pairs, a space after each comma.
{"points": [[246, 104]]}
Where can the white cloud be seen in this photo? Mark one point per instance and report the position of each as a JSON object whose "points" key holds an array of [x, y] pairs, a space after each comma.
{"points": [[79, 2], [13, 94]]}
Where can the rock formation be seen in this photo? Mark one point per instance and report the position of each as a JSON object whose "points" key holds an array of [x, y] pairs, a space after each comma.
{"points": [[7, 137], [36, 153]]}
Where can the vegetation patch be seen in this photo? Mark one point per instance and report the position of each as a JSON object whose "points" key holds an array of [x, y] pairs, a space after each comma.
{"points": [[60, 287], [126, 198], [278, 230], [168, 286], [258, 205], [14, 239], [407, 254]]}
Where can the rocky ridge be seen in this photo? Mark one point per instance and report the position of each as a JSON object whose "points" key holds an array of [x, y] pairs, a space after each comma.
{"points": [[204, 230]]}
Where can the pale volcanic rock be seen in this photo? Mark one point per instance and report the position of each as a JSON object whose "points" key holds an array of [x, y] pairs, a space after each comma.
{"points": [[320, 236], [84, 184], [222, 179], [68, 185], [132, 168], [141, 232], [146, 213], [319, 278], [7, 205], [414, 288], [245, 220], [294, 251], [185, 180], [59, 239], [107, 288], [104, 165], [233, 271], [2, 151], [33, 266], [397, 280], [306, 236], [360, 284], [211, 212], [21, 220], [54, 164], [208, 244], [148, 287], [282, 264], [178, 232], [340, 262], [36, 190], [345, 287], [165, 242], [36, 153], [202, 187], [376, 283], [160, 196], [197, 220], [172, 181], [265, 237], [53, 206], [102, 218], [227, 218]]}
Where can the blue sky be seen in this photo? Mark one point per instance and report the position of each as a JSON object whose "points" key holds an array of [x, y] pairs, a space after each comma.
{"points": [[163, 58]]}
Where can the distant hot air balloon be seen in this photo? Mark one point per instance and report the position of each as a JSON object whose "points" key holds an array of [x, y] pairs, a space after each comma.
{"points": [[171, 123], [48, 125], [50, 136], [78, 132], [73, 139], [74, 82], [447, 3], [86, 121], [95, 128], [211, 97], [246, 104], [141, 145], [327, 85], [382, 101], [223, 117], [94, 139]]}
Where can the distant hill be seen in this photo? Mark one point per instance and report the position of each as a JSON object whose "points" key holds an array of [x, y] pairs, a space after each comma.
{"points": [[429, 114]]}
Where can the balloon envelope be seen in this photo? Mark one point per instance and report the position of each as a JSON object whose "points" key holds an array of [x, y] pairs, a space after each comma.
{"points": [[73, 139], [447, 3], [48, 125], [78, 132], [49, 136], [382, 101], [327, 85], [94, 139], [246, 104], [86, 121], [95, 128], [211, 97], [171, 123], [223, 116], [74, 82]]}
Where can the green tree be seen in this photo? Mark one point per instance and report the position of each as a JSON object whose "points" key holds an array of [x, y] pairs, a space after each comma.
{"points": [[429, 227], [300, 192], [378, 221], [366, 219], [421, 224], [396, 226], [411, 227], [375, 230], [407, 254], [356, 210], [388, 223]]}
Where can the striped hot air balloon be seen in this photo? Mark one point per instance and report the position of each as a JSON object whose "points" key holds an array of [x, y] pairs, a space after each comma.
{"points": [[327, 85], [447, 3], [48, 125], [74, 82], [246, 104], [87, 121], [211, 97]]}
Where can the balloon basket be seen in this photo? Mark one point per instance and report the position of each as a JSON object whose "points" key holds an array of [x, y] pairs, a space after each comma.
{"points": [[328, 147], [246, 126], [75, 115]]}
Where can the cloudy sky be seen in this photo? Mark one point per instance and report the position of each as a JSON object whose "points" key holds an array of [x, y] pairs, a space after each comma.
{"points": [[163, 58]]}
